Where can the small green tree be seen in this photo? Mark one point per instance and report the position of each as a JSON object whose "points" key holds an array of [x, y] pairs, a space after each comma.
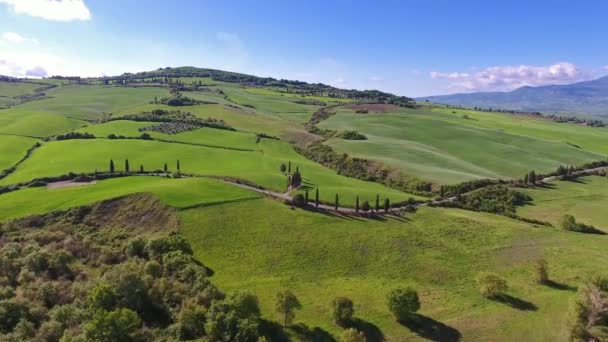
{"points": [[403, 302], [336, 205], [365, 207], [289, 166], [178, 166], [357, 204], [286, 304], [110, 326], [352, 335], [141, 168], [377, 202], [526, 178], [317, 198], [283, 168], [296, 179], [386, 205], [541, 271], [111, 166], [166, 168], [568, 222], [490, 284], [298, 201], [441, 191], [532, 177], [343, 310], [126, 165]]}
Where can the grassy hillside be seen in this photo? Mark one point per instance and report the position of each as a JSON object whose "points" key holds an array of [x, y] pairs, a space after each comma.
{"points": [[438, 251], [585, 198], [13, 148], [450, 149], [12, 89], [89, 102], [33, 123], [260, 167]]}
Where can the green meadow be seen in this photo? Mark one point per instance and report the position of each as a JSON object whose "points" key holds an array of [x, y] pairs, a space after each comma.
{"points": [[13, 148], [445, 150], [267, 247], [585, 198], [12, 89], [34, 123]]}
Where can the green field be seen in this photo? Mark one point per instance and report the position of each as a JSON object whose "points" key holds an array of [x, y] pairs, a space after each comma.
{"points": [[13, 148], [178, 193], [90, 102], [441, 149], [260, 167], [438, 251], [12, 89], [33, 123], [585, 198]]}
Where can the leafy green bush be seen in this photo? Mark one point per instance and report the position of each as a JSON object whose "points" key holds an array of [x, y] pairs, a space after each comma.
{"points": [[403, 302], [490, 284]]}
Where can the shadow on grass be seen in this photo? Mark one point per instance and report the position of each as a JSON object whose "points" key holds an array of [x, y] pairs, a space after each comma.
{"points": [[431, 329], [371, 331], [273, 331], [515, 303], [316, 334], [559, 286], [545, 186]]}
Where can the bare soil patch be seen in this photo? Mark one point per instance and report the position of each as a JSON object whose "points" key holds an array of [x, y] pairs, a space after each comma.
{"points": [[67, 184]]}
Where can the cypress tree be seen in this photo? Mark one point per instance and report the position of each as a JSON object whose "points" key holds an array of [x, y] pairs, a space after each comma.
{"points": [[317, 198], [141, 169], [306, 196], [166, 169], [178, 168], [336, 205], [532, 177], [111, 166], [377, 202], [386, 205], [289, 167], [126, 165], [357, 204], [441, 191], [526, 178]]}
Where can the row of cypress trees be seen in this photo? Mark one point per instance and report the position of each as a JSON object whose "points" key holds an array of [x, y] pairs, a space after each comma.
{"points": [[141, 167]]}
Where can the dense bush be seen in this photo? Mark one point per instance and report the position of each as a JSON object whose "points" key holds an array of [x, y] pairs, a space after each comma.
{"points": [[74, 135], [490, 284], [299, 201], [497, 199], [568, 222], [343, 310], [351, 135], [403, 302]]}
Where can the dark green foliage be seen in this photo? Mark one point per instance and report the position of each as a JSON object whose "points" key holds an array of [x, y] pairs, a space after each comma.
{"points": [[532, 177], [386, 205], [283, 168], [365, 207], [362, 168], [336, 204], [289, 167], [299, 201], [126, 165], [377, 202], [568, 222], [296, 179], [402, 302], [234, 319], [165, 168], [74, 135], [343, 310], [174, 121], [141, 169], [357, 204], [351, 135], [111, 166], [464, 187], [496, 199], [178, 166], [317, 198], [111, 326]]}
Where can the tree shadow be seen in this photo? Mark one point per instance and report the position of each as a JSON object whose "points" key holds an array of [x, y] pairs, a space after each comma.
{"points": [[431, 329], [371, 331], [515, 303], [273, 331], [559, 286], [315, 334], [545, 186]]}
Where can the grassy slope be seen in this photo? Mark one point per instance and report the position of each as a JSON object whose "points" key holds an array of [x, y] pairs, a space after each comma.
{"points": [[179, 193], [89, 102], [12, 89], [449, 151], [208, 136], [437, 250], [34, 123], [13, 148], [261, 167], [585, 199]]}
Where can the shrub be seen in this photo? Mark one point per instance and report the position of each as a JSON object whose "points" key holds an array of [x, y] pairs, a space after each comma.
{"points": [[342, 310], [402, 302], [568, 222], [117, 325], [541, 271], [490, 284], [365, 206], [352, 335], [589, 311], [286, 304], [299, 201]]}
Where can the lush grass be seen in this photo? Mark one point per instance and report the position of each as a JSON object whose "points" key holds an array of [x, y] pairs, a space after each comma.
{"points": [[13, 148], [179, 193], [34, 123], [448, 151], [90, 102], [263, 246], [12, 89], [205, 136], [261, 166], [585, 198]]}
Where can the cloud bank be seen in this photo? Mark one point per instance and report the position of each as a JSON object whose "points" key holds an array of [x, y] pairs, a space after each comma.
{"points": [[506, 78], [58, 10]]}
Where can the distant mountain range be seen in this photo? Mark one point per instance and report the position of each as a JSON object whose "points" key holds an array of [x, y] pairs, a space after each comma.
{"points": [[588, 97]]}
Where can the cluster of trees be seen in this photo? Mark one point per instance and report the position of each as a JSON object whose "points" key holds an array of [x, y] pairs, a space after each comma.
{"points": [[143, 136], [568, 222], [362, 169], [497, 199], [531, 178], [351, 135], [589, 311], [74, 135], [127, 168], [177, 117]]}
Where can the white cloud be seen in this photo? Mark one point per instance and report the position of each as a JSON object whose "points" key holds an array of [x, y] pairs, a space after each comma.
{"points": [[505, 78], [375, 78], [13, 37], [59, 10]]}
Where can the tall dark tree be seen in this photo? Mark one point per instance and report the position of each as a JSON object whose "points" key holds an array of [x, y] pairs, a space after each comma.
{"points": [[296, 179], [178, 168], [387, 205], [337, 203], [532, 177], [441, 191], [289, 167], [111, 166], [377, 202], [526, 178], [126, 165], [317, 198], [283, 168], [357, 204], [141, 169], [166, 168]]}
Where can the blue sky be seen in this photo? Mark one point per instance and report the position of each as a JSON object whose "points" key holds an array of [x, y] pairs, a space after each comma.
{"points": [[412, 48]]}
